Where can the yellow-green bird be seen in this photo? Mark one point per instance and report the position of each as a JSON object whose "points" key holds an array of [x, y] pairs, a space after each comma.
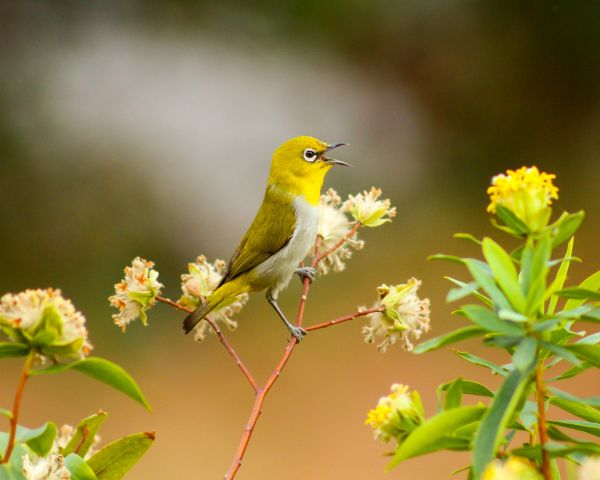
{"points": [[282, 232]]}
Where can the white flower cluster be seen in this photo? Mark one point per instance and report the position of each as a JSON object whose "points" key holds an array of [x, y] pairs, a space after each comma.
{"points": [[405, 316], [367, 209], [52, 467], [589, 469], [136, 293], [202, 279], [24, 311]]}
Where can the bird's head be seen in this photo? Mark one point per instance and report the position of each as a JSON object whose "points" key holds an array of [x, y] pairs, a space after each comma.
{"points": [[300, 165]]}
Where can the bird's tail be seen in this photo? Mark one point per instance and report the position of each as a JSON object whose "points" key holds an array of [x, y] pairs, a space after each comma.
{"points": [[213, 301]]}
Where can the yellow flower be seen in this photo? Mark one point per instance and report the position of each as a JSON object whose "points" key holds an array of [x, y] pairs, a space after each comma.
{"points": [[367, 209], [515, 468], [590, 469], [396, 415], [526, 192]]}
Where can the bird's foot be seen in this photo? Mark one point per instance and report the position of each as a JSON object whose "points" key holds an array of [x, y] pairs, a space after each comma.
{"points": [[298, 333], [306, 272]]}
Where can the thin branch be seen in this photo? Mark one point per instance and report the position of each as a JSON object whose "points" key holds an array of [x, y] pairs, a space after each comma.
{"points": [[346, 318], [343, 240], [542, 427], [17, 406], [222, 339]]}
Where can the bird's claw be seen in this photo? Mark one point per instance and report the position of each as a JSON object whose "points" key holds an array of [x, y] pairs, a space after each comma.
{"points": [[307, 272], [298, 333]]}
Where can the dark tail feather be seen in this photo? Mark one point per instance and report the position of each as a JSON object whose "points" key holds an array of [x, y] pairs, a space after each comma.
{"points": [[193, 318]]}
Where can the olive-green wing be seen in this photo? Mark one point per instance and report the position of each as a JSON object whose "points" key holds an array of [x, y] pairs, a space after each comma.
{"points": [[270, 231]]}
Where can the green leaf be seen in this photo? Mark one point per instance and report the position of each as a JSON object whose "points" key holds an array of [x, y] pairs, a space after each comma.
{"points": [[512, 316], [581, 425], [579, 294], [488, 320], [566, 226], [453, 395], [9, 349], [117, 458], [525, 354], [14, 468], [425, 437], [82, 439], [572, 372], [482, 362], [582, 411], [469, 286], [513, 222], [491, 429], [468, 237], [78, 468], [505, 272], [9, 472], [561, 276], [537, 275], [103, 371], [592, 401], [6, 413], [561, 352], [448, 339], [590, 283], [38, 439], [480, 273], [448, 258], [589, 353]]}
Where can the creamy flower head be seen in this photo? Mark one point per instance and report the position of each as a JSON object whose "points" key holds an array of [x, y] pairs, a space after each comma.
{"points": [[405, 316], [334, 225], [396, 415], [515, 468], [25, 310], [202, 279], [51, 467], [526, 192], [589, 469], [367, 209], [136, 293]]}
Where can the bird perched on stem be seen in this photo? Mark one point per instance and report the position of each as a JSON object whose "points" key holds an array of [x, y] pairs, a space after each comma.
{"points": [[283, 231]]}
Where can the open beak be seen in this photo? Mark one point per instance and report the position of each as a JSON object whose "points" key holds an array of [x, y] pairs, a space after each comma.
{"points": [[334, 161]]}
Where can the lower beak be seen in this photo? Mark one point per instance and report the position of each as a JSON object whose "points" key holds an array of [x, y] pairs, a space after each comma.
{"points": [[334, 161]]}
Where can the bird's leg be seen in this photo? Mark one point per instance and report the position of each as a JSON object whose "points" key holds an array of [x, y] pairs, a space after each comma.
{"points": [[306, 272], [297, 332]]}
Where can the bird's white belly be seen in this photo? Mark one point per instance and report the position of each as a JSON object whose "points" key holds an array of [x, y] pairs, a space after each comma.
{"points": [[279, 268]]}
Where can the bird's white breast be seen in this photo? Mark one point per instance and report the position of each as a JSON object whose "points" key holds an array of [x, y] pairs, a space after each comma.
{"points": [[281, 266]]}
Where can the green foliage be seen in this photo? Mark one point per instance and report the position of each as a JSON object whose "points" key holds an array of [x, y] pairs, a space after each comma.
{"points": [[524, 307], [115, 460]]}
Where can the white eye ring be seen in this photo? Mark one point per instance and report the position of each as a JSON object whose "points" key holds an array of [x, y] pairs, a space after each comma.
{"points": [[310, 155]]}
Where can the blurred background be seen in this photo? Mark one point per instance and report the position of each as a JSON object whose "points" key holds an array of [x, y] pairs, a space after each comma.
{"points": [[146, 128]]}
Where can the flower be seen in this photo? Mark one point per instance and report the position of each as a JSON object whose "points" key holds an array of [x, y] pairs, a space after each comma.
{"points": [[589, 469], [396, 415], [45, 468], [527, 193], [515, 468], [202, 279], [334, 226], [405, 316], [136, 293], [31, 313], [368, 210]]}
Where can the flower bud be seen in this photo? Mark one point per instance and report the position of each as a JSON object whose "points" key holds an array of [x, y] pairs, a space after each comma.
{"points": [[367, 209]]}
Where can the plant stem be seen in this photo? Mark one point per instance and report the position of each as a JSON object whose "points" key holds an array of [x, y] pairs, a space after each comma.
{"points": [[339, 320], [542, 427], [17, 406]]}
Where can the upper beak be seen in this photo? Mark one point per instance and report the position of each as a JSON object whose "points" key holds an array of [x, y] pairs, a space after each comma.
{"points": [[334, 161]]}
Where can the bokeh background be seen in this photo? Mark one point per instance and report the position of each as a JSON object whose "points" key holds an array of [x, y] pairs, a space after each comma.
{"points": [[146, 128]]}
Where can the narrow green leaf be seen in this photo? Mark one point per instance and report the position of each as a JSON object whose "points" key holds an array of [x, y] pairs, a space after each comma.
{"points": [[525, 354], [483, 277], [581, 425], [448, 258], [572, 372], [537, 275], [448, 339], [78, 468], [453, 395], [561, 276], [512, 316], [491, 429], [468, 237], [561, 352], [6, 413], [566, 226], [82, 439], [589, 353], [488, 320], [592, 401], [9, 349], [9, 472], [582, 411], [482, 362], [590, 283], [423, 439], [38, 439], [117, 458], [475, 293], [103, 371], [579, 294], [513, 222]]}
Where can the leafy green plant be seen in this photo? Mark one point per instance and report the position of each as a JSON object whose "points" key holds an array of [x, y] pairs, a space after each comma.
{"points": [[523, 306], [47, 330]]}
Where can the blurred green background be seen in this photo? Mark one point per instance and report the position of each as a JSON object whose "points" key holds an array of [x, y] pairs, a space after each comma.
{"points": [[146, 128]]}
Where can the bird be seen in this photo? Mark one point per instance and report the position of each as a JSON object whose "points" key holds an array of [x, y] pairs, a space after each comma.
{"points": [[282, 233]]}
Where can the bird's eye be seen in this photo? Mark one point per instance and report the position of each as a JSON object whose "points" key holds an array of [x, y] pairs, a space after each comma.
{"points": [[310, 155]]}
